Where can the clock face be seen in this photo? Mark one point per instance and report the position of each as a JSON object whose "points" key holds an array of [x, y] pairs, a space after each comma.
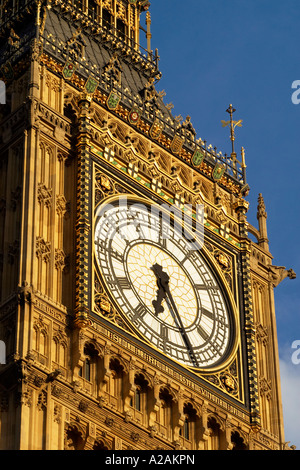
{"points": [[166, 289]]}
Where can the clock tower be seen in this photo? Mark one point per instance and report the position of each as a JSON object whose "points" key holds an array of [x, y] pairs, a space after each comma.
{"points": [[136, 311]]}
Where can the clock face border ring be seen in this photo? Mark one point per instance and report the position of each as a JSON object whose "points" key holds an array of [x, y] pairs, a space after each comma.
{"points": [[232, 346]]}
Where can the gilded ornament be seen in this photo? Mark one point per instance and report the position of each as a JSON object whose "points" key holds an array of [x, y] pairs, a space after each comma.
{"points": [[105, 183], [113, 100], [197, 158], [68, 70], [156, 129], [134, 115], [105, 305], [223, 260], [218, 171], [91, 85], [177, 144]]}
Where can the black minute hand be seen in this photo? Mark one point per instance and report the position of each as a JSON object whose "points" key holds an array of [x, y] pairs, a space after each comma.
{"points": [[163, 292]]}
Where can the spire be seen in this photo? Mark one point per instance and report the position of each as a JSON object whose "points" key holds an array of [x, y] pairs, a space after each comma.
{"points": [[233, 124], [262, 223]]}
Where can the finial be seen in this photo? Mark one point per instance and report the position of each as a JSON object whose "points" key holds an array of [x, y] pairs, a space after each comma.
{"points": [[261, 208], [243, 158], [233, 124], [262, 222], [243, 165], [148, 33]]}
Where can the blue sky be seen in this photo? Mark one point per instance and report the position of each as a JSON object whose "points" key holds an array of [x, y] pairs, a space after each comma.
{"points": [[246, 52]]}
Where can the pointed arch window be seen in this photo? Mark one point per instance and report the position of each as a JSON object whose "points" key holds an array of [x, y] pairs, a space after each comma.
{"points": [[238, 441], [167, 413], [116, 383], [89, 371], [141, 400], [190, 428], [214, 440]]}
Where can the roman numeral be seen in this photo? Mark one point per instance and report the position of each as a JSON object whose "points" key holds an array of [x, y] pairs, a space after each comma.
{"points": [[164, 332], [118, 256], [139, 312], [164, 337], [100, 244], [123, 282], [205, 287], [202, 333], [208, 314], [163, 234]]}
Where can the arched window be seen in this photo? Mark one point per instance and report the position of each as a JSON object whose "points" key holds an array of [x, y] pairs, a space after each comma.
{"points": [[214, 439], [166, 414], [187, 428], [115, 385], [100, 445], [238, 441], [89, 370], [190, 429], [74, 439], [140, 400]]}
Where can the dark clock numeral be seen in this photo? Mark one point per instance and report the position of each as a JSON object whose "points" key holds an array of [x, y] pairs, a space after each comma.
{"points": [[208, 314], [100, 244], [164, 337], [116, 255], [202, 333], [163, 234], [164, 332], [163, 240], [123, 282], [205, 287], [139, 313]]}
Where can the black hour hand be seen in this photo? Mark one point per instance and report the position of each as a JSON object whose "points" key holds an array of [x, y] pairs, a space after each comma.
{"points": [[161, 295], [162, 280]]}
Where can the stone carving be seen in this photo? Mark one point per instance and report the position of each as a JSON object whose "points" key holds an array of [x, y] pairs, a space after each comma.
{"points": [[278, 273], [43, 249]]}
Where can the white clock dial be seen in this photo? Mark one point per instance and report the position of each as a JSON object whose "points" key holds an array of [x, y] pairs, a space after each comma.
{"points": [[167, 291]]}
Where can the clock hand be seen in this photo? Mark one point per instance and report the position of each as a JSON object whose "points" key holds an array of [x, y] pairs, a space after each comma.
{"points": [[164, 293], [161, 279]]}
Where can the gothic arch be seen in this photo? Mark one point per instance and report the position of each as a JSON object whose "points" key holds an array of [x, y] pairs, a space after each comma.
{"points": [[144, 374], [92, 348], [213, 417], [116, 360], [75, 436], [165, 389], [239, 440], [101, 444]]}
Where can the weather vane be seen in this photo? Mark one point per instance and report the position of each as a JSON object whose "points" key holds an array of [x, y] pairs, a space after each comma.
{"points": [[233, 124]]}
